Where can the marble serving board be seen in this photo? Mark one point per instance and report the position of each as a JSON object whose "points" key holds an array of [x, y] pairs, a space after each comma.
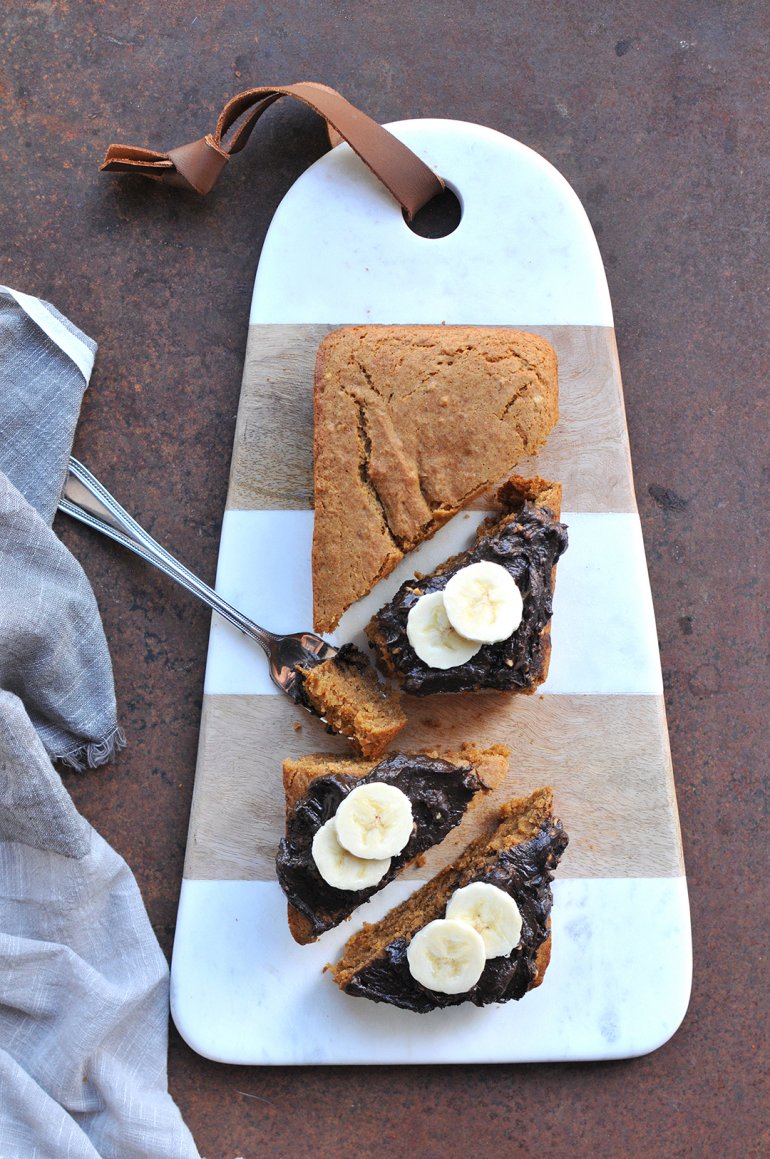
{"points": [[524, 255]]}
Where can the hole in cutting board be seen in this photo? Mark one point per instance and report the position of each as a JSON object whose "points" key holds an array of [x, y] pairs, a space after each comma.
{"points": [[440, 217]]}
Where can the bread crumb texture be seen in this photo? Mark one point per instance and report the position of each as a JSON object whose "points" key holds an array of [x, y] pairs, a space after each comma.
{"points": [[351, 699]]}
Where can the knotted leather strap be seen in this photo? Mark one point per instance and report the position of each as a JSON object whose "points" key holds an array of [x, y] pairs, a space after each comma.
{"points": [[197, 166]]}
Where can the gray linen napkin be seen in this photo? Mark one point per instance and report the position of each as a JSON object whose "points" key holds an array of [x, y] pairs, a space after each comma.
{"points": [[83, 982]]}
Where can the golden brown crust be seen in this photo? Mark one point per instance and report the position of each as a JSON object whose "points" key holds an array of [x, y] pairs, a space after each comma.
{"points": [[298, 774], [490, 766], [299, 926], [411, 423], [542, 960], [516, 491]]}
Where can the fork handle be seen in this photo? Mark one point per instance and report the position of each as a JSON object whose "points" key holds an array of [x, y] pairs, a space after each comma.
{"points": [[87, 500]]}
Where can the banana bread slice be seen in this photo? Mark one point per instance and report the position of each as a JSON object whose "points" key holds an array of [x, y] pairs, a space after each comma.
{"points": [[411, 423], [519, 857], [526, 539], [440, 787], [346, 692]]}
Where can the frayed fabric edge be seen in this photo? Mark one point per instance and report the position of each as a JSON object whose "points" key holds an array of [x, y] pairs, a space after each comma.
{"points": [[94, 753]]}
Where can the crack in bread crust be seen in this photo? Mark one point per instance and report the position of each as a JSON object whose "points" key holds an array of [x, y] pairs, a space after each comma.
{"points": [[365, 457]]}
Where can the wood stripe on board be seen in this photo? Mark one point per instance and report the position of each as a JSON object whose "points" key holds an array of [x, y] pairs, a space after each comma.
{"points": [[272, 465], [606, 756]]}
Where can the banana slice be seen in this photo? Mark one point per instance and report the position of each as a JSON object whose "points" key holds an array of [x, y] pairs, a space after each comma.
{"points": [[374, 821], [340, 868], [491, 912], [432, 636], [482, 602], [447, 956]]}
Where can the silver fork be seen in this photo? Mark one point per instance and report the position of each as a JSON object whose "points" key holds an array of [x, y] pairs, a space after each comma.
{"points": [[88, 501]]}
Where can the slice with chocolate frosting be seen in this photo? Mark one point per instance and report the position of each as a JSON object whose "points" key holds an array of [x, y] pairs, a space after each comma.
{"points": [[523, 541], [518, 858], [439, 788]]}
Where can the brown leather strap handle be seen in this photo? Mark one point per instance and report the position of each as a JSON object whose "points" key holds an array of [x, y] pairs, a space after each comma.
{"points": [[197, 166]]}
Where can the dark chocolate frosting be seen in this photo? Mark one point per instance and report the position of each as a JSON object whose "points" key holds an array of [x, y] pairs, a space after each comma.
{"points": [[440, 793], [525, 872], [527, 545]]}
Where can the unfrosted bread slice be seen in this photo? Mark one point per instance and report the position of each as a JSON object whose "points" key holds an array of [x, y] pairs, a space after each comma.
{"points": [[411, 423], [315, 784], [518, 856], [347, 694]]}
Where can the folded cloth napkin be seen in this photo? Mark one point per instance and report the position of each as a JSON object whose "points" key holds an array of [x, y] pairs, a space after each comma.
{"points": [[83, 982]]}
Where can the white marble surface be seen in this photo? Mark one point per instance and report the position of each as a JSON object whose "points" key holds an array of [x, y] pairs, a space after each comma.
{"points": [[604, 638], [243, 991], [338, 249], [524, 253]]}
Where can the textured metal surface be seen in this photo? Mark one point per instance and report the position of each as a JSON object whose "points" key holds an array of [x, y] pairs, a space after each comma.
{"points": [[657, 114]]}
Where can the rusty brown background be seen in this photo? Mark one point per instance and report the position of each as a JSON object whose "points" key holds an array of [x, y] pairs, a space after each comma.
{"points": [[658, 115]]}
